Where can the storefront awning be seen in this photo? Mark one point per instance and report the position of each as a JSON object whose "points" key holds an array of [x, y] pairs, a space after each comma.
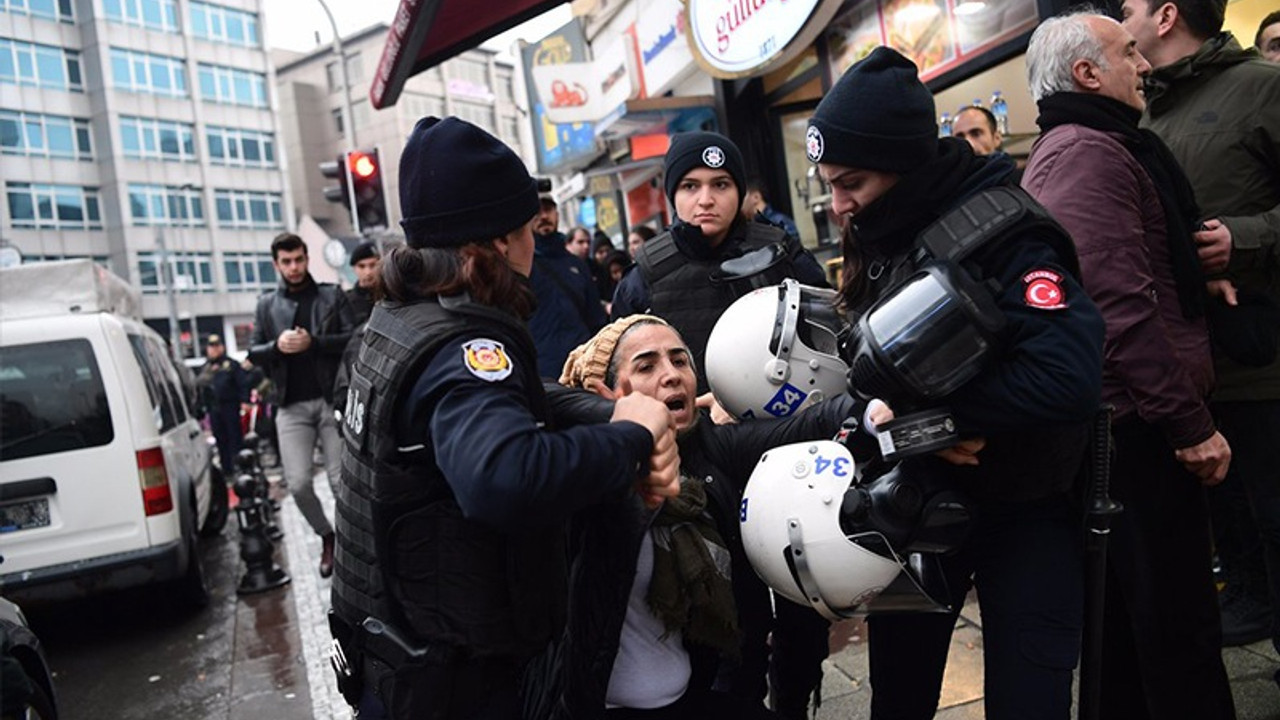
{"points": [[425, 33], [660, 114]]}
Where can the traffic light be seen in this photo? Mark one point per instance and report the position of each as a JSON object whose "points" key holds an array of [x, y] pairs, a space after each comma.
{"points": [[367, 195], [340, 193]]}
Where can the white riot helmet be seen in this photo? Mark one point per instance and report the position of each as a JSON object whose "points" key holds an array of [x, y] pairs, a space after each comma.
{"points": [[775, 350], [794, 514]]}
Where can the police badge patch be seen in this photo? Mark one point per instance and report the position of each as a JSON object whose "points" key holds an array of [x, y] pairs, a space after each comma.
{"points": [[713, 156], [814, 144], [486, 359]]}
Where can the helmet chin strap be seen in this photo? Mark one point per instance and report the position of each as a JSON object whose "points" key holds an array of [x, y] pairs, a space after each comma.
{"points": [[778, 370], [804, 575]]}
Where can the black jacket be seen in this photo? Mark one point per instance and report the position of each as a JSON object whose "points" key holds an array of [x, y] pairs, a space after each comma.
{"points": [[223, 383], [570, 680], [1034, 401], [331, 326]]}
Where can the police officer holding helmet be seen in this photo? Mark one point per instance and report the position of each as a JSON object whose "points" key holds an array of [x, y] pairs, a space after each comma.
{"points": [[450, 558], [1024, 416]]}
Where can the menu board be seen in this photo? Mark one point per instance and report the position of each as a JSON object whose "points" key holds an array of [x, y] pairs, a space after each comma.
{"points": [[937, 35]]}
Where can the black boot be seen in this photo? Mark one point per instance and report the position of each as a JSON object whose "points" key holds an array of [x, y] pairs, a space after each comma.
{"points": [[326, 555]]}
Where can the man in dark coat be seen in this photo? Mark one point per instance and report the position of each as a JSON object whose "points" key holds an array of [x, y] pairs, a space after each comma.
{"points": [[1131, 213]]}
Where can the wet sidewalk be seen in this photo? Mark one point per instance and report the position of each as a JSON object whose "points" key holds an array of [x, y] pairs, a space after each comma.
{"points": [[846, 691]]}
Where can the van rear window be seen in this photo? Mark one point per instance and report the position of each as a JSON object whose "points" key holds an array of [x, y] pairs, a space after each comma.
{"points": [[51, 399]]}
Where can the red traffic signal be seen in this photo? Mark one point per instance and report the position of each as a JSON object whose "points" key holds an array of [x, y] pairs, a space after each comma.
{"points": [[366, 189], [362, 164]]}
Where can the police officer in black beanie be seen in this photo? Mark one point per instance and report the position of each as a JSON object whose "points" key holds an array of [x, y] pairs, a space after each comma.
{"points": [[705, 180], [364, 261], [1024, 417], [454, 491]]}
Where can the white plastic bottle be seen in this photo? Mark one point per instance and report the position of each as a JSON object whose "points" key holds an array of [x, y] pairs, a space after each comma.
{"points": [[1000, 109]]}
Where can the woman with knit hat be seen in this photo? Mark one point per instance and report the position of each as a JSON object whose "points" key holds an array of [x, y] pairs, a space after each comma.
{"points": [[652, 612], [875, 142], [454, 490]]}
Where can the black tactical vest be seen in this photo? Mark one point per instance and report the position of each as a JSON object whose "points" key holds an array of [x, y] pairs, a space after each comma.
{"points": [[405, 553], [983, 222], [681, 293], [967, 235]]}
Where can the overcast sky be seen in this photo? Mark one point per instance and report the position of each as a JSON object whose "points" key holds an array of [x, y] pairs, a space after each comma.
{"points": [[293, 24]]}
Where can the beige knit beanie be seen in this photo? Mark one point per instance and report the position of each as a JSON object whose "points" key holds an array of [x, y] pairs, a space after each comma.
{"points": [[590, 360]]}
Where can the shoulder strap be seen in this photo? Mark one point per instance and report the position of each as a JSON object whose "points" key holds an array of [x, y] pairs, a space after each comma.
{"points": [[760, 235], [545, 267], [991, 217], [658, 258]]}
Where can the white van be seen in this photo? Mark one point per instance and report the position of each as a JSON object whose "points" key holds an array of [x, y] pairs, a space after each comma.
{"points": [[106, 479]]}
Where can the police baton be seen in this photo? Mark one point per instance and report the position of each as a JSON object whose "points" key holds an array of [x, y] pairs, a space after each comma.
{"points": [[1099, 511]]}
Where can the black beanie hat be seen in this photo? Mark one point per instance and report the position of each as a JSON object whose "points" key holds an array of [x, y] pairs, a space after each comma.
{"points": [[363, 251], [879, 116], [691, 150], [459, 184]]}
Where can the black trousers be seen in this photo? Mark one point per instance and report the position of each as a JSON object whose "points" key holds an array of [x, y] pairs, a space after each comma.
{"points": [[224, 420], [1246, 507], [1162, 638], [784, 643], [1025, 561]]}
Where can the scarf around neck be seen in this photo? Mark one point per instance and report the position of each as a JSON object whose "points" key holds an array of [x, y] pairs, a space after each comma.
{"points": [[1177, 199]]}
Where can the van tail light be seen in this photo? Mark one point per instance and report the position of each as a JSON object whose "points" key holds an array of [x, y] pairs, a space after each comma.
{"points": [[156, 498]]}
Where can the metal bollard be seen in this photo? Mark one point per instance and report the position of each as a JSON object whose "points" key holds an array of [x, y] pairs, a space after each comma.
{"points": [[261, 571], [247, 462]]}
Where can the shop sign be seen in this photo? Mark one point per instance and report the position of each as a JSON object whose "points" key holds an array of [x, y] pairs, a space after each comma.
{"points": [[736, 38], [609, 214], [938, 36], [559, 146], [578, 92], [665, 58]]}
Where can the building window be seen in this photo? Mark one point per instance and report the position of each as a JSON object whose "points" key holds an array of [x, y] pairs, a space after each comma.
{"points": [[165, 205], [192, 272], [337, 121], [147, 73], [43, 66], [480, 115], [506, 88], [60, 10], [151, 14], [334, 75], [423, 105], [360, 114], [64, 207], [248, 209], [355, 69], [232, 86], [248, 271], [511, 132], [145, 138], [224, 25], [475, 73], [44, 135], [245, 148]]}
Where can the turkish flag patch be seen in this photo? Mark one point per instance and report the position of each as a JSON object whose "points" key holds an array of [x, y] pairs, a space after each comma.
{"points": [[1044, 290]]}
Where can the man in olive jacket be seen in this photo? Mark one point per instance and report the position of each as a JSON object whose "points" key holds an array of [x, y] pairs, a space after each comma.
{"points": [[1217, 106]]}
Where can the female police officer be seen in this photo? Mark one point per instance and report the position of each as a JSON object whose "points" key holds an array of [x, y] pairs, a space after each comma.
{"points": [[875, 141], [453, 491]]}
